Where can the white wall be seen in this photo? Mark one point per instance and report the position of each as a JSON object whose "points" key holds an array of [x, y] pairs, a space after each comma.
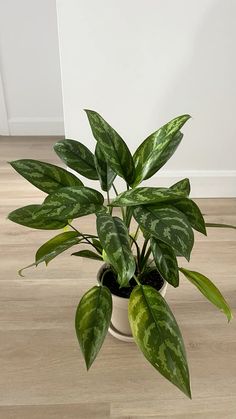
{"points": [[140, 63], [30, 68]]}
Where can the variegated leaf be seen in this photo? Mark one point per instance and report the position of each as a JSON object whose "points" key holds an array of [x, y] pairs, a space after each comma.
{"points": [[167, 224], [193, 214], [78, 157], [25, 217], [105, 173], [114, 238], [154, 152], [182, 186], [45, 176], [70, 203], [165, 260], [209, 290], [145, 196], [113, 146], [157, 334], [92, 320], [87, 254]]}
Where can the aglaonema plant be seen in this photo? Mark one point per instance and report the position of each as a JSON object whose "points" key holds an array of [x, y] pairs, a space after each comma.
{"points": [[165, 217]]}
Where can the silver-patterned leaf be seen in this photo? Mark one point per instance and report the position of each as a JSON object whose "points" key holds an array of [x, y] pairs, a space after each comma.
{"points": [[145, 196], [114, 238], [165, 260], [182, 186], [105, 173], [209, 290], [25, 216], [70, 203], [92, 320], [154, 152], [167, 224], [78, 157], [113, 146], [193, 214], [46, 177], [157, 334]]}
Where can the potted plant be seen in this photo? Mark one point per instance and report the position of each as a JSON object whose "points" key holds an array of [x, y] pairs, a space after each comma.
{"points": [[134, 278]]}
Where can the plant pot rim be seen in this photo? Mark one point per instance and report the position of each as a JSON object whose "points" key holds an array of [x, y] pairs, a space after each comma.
{"points": [[106, 265]]}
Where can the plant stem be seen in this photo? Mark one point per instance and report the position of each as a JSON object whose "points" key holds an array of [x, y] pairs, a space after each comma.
{"points": [[108, 201], [138, 252], [81, 234], [136, 279], [115, 190]]}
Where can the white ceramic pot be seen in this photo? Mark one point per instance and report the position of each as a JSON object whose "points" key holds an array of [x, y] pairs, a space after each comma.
{"points": [[120, 327]]}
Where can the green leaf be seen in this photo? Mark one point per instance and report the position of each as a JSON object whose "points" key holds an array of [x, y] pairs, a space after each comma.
{"points": [[182, 186], [165, 260], [25, 216], [87, 254], [78, 157], [154, 152], [220, 225], [46, 177], [53, 248], [209, 290], [70, 203], [167, 224], [157, 334], [56, 245], [114, 238], [193, 214], [113, 147], [145, 196], [105, 173], [92, 320]]}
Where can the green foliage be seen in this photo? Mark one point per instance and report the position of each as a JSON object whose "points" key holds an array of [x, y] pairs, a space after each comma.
{"points": [[114, 238], [105, 173], [26, 217], [78, 157], [92, 320], [69, 203], [209, 290], [165, 220], [146, 196], [156, 150], [193, 214], [165, 260], [113, 147], [158, 336], [168, 224], [45, 176], [182, 186], [87, 254]]}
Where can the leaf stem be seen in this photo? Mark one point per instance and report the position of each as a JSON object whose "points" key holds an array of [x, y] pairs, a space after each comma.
{"points": [[136, 279]]}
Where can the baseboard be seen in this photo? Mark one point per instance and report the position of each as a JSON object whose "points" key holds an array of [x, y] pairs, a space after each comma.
{"points": [[204, 183], [36, 126]]}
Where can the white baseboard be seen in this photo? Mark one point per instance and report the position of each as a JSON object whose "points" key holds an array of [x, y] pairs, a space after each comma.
{"points": [[36, 126], [204, 183]]}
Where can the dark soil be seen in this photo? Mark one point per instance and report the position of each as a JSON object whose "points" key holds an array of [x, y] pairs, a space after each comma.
{"points": [[152, 278]]}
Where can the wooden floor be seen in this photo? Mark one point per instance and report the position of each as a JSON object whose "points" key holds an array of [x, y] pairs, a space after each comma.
{"points": [[42, 373]]}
